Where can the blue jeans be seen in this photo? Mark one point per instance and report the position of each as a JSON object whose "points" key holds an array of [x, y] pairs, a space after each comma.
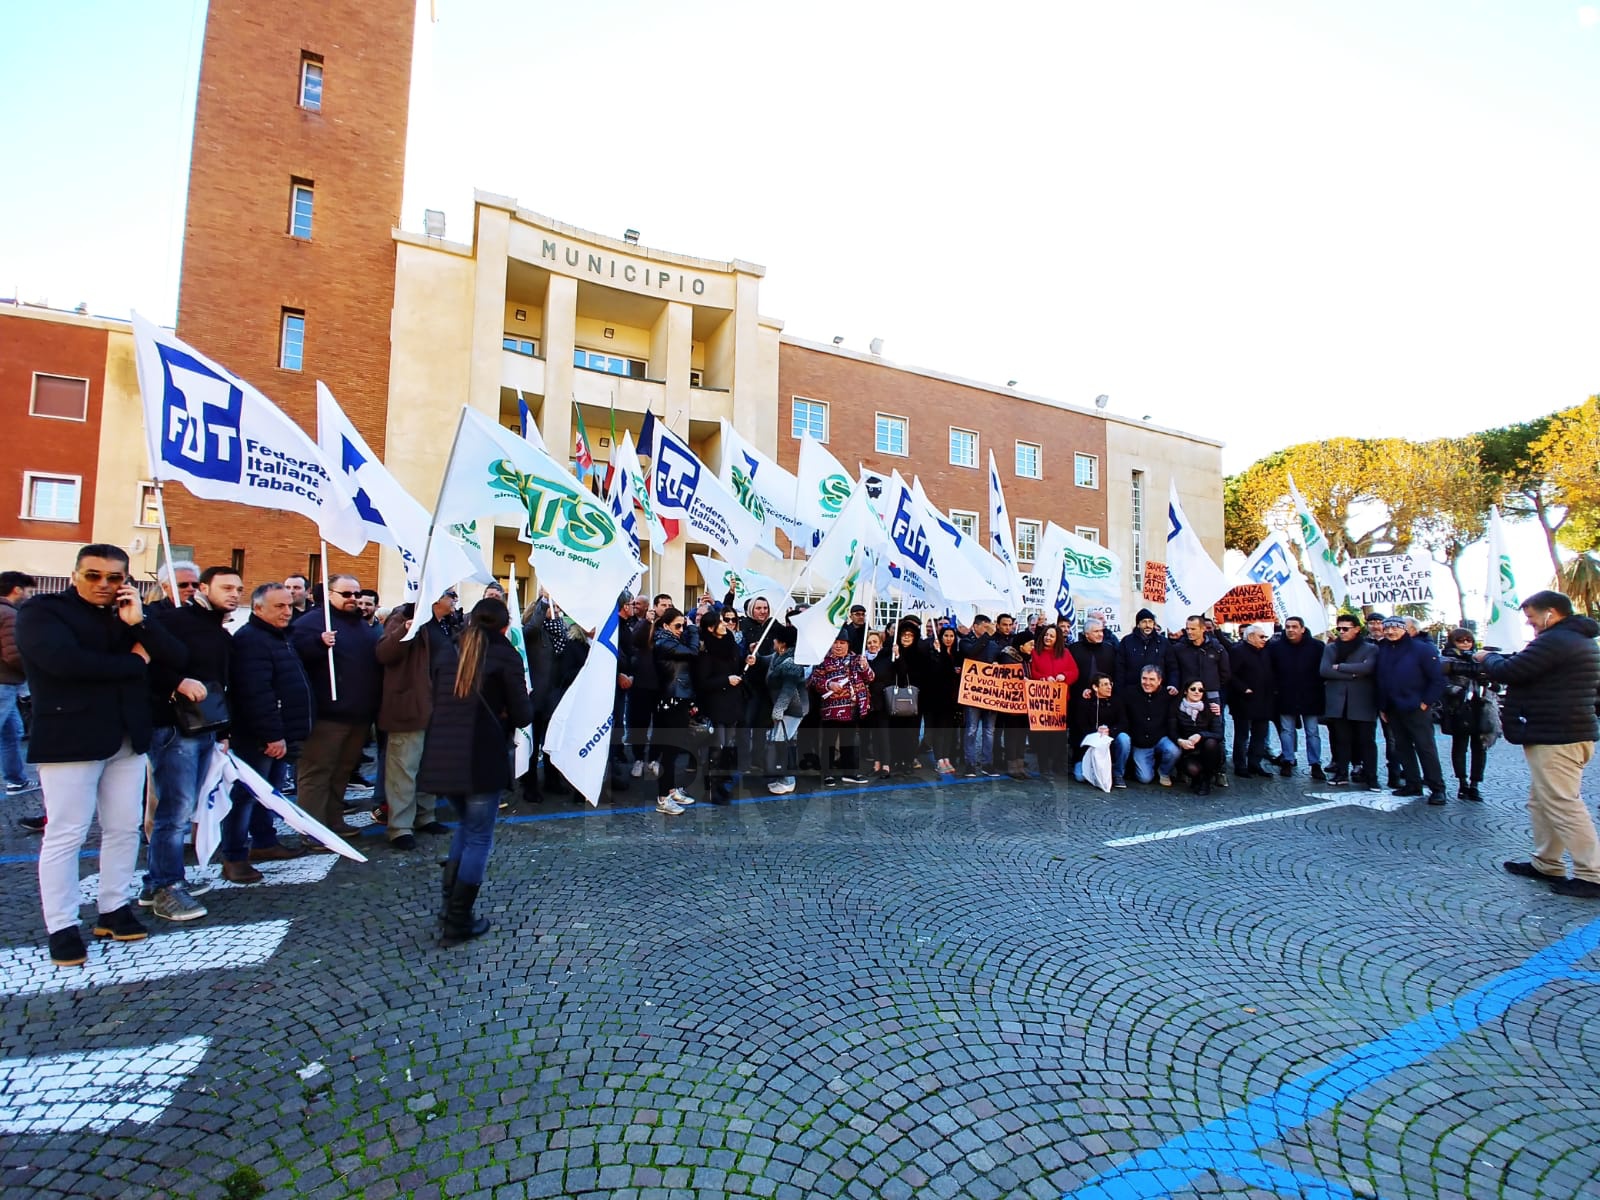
{"points": [[248, 823], [978, 744], [1145, 759], [177, 765], [1287, 742], [11, 764], [474, 836], [1121, 747]]}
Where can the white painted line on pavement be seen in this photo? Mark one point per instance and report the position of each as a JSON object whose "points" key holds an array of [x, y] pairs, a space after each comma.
{"points": [[28, 971], [96, 1090], [313, 868], [1378, 801]]}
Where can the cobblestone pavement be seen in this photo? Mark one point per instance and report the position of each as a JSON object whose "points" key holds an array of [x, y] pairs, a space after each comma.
{"points": [[952, 990]]}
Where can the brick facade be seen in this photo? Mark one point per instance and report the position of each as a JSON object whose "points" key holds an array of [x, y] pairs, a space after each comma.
{"points": [[241, 266], [47, 444], [857, 389]]}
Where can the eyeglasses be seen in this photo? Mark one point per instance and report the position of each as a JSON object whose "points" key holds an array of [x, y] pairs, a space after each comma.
{"points": [[183, 583], [451, 596], [678, 628], [108, 576], [346, 595], [1196, 689]]}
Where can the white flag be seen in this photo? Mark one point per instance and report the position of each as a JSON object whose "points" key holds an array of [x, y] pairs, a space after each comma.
{"points": [[766, 490], [816, 628], [1319, 555], [855, 527], [1194, 582], [686, 489], [969, 576], [293, 815], [625, 462], [910, 559], [1000, 539], [745, 584], [578, 741], [821, 487], [522, 738], [1504, 627], [581, 556], [1273, 562], [223, 440], [1080, 573], [216, 801]]}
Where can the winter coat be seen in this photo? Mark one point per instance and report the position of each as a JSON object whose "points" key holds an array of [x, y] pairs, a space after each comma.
{"points": [[1090, 714], [944, 683], [855, 700], [1208, 662], [468, 748], [674, 660], [208, 657], [1297, 672], [786, 685], [982, 647], [1350, 688], [1409, 676], [1093, 659], [541, 654], [1151, 716], [1136, 652], [407, 701], [1048, 664], [271, 698], [878, 668], [1251, 693], [855, 636], [10, 657], [90, 690], [1206, 723], [1553, 687], [640, 636], [355, 660], [721, 702]]}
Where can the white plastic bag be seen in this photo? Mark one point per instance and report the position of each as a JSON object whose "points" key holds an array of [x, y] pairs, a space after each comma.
{"points": [[1097, 762]]}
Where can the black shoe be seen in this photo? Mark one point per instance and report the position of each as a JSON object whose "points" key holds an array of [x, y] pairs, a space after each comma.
{"points": [[969, 772], [67, 948], [830, 781], [120, 925], [1220, 779], [433, 827], [1408, 792], [1204, 789], [1436, 797], [1526, 870], [403, 841], [988, 772], [459, 924], [32, 824], [1581, 888], [1473, 793], [1338, 782], [1316, 773], [1286, 769]]}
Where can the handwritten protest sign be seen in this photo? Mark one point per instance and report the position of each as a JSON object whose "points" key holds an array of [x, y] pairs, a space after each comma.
{"points": [[1245, 604], [1155, 583], [995, 686], [1047, 705], [1390, 579]]}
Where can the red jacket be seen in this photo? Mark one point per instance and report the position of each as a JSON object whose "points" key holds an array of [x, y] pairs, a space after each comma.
{"points": [[1047, 665]]}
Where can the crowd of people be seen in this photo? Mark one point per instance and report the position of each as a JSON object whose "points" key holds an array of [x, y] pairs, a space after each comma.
{"points": [[298, 686]]}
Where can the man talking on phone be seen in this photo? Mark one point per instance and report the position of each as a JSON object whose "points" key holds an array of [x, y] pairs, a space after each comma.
{"points": [[87, 652]]}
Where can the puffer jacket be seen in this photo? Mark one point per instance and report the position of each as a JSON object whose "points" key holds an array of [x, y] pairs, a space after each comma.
{"points": [[468, 748], [10, 657], [271, 698], [674, 659], [1297, 673], [786, 684], [1409, 676], [1553, 687], [355, 658]]}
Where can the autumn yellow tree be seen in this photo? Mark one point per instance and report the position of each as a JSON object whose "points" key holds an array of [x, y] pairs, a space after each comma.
{"points": [[1568, 456]]}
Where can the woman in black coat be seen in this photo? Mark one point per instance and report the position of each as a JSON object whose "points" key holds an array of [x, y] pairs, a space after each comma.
{"points": [[479, 701], [939, 706], [1199, 738], [908, 666], [719, 690]]}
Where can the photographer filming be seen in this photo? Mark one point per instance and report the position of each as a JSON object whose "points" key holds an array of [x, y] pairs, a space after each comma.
{"points": [[1550, 711], [1467, 712]]}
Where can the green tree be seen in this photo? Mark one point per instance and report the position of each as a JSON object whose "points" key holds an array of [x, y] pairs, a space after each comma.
{"points": [[1523, 486], [1458, 513]]}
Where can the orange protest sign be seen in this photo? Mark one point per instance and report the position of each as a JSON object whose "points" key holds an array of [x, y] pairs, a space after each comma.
{"points": [[995, 686], [1154, 590], [1047, 705], [1245, 604]]}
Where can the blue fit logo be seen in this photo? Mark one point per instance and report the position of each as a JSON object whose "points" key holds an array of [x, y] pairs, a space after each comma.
{"points": [[351, 462], [677, 474], [199, 418], [908, 536], [1273, 567]]}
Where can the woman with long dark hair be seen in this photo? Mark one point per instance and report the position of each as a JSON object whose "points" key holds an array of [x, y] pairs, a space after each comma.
{"points": [[1199, 738], [479, 701], [939, 707], [719, 691], [908, 667], [1052, 660], [674, 656]]}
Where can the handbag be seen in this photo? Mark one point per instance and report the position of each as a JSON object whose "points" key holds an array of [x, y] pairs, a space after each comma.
{"points": [[194, 717], [903, 700]]}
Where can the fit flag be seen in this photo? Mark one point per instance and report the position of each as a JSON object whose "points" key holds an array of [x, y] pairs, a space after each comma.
{"points": [[229, 778], [223, 440], [685, 488], [575, 547], [766, 490], [1001, 544], [1319, 555], [1273, 562], [965, 578], [578, 740], [388, 513], [1194, 581], [745, 584], [821, 487], [1504, 627]]}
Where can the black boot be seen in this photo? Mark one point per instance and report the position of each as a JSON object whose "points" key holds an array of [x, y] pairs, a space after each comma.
{"points": [[458, 924], [445, 886], [1463, 790]]}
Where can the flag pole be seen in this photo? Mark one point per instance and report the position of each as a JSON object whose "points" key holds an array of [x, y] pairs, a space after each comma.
{"points": [[166, 543], [327, 624]]}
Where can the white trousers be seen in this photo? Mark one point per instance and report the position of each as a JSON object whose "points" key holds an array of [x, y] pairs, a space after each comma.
{"points": [[73, 793]]}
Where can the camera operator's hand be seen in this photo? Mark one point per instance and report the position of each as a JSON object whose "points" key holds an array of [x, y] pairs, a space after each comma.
{"points": [[1480, 656]]}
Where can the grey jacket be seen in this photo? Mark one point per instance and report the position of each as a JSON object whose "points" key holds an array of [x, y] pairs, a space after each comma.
{"points": [[1352, 686]]}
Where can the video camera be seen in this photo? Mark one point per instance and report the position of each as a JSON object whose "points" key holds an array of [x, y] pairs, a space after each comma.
{"points": [[1464, 668]]}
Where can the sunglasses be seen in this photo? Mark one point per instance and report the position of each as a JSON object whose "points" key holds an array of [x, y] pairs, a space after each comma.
{"points": [[346, 595], [1196, 689], [109, 577], [182, 584]]}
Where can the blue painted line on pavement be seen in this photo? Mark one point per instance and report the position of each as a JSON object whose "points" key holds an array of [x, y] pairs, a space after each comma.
{"points": [[1229, 1145]]}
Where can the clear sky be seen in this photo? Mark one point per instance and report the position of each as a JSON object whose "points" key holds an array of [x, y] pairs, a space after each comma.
{"points": [[1271, 220]]}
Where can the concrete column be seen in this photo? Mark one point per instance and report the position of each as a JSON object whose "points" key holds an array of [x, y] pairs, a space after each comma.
{"points": [[560, 340], [673, 333], [488, 311]]}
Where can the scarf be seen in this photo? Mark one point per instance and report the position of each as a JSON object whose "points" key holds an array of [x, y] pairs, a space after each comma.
{"points": [[1342, 650], [1192, 707], [556, 628]]}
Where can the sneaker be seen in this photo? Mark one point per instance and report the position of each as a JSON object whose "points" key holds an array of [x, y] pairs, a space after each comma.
{"points": [[653, 770], [1582, 888], [1120, 782], [679, 796], [173, 903], [781, 787], [830, 781], [1527, 870], [16, 789], [1316, 773], [1165, 780], [32, 824], [197, 885], [120, 925], [1374, 788], [856, 780], [669, 806], [1220, 779], [969, 772], [67, 948], [638, 768]]}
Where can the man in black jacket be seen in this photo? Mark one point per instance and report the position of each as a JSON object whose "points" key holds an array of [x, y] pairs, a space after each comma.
{"points": [[1152, 715], [87, 651], [1145, 647], [1297, 673], [1198, 655], [333, 750], [1552, 697]]}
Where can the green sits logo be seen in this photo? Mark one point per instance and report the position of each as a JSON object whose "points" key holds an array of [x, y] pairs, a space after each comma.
{"points": [[732, 583], [1087, 566], [555, 508], [832, 493], [744, 490]]}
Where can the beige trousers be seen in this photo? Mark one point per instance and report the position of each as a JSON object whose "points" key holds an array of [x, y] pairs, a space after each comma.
{"points": [[1555, 807], [409, 806]]}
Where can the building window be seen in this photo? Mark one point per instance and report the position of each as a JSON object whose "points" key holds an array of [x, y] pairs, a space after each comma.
{"points": [[149, 507], [1028, 460], [300, 208], [963, 448], [238, 562], [1088, 533], [1137, 524], [890, 435], [1027, 540], [611, 364], [1086, 470], [50, 497], [292, 348], [697, 378], [60, 396], [966, 522], [810, 416], [311, 82], [520, 346]]}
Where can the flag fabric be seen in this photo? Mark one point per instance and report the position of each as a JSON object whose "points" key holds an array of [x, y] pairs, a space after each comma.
{"points": [[1090, 573], [816, 627], [1194, 581], [855, 526], [522, 737], [1273, 562], [209, 430], [582, 455], [574, 545], [910, 560], [745, 584], [530, 427], [216, 801], [687, 489], [626, 459], [766, 490], [821, 487], [1319, 555], [227, 771], [1001, 544], [1504, 627], [578, 740], [620, 498], [967, 573]]}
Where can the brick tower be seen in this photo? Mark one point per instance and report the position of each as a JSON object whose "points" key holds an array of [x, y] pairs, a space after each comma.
{"points": [[288, 261]]}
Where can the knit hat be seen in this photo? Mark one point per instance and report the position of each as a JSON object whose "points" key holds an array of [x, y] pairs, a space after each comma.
{"points": [[1394, 622], [1143, 613]]}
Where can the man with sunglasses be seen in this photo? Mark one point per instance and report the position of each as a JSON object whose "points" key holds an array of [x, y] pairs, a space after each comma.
{"points": [[87, 653], [333, 750], [1350, 702], [188, 582]]}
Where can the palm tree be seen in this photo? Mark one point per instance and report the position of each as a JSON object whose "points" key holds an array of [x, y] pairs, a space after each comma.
{"points": [[1580, 580]]}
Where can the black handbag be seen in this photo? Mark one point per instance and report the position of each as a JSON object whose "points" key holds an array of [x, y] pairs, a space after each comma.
{"points": [[194, 717], [902, 700]]}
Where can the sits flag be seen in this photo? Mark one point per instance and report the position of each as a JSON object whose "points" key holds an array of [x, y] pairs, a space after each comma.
{"points": [[1504, 627], [745, 584], [1194, 581], [1319, 555], [626, 463], [1070, 564], [765, 489], [685, 488], [209, 430], [816, 628], [821, 488], [578, 740]]}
